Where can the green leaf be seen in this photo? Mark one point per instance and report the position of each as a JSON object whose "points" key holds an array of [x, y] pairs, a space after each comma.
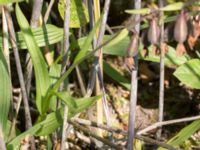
{"points": [[139, 11], [115, 75], [87, 43], [44, 35], [40, 67], [5, 92], [78, 13], [189, 73], [119, 49], [53, 121], [122, 34], [47, 34], [4, 2], [184, 134], [170, 57], [86, 102], [67, 99], [173, 7], [54, 73], [82, 55]]}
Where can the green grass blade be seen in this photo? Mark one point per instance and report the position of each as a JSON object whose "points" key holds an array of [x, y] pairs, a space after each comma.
{"points": [[116, 76], [5, 92], [87, 42], [40, 67], [184, 134], [67, 99]]}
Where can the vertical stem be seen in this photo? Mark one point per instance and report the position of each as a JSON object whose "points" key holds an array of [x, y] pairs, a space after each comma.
{"points": [[20, 75], [100, 57], [64, 65], [134, 88], [5, 39], [162, 71]]}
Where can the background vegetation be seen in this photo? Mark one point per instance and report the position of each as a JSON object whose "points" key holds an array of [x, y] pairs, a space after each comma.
{"points": [[99, 74]]}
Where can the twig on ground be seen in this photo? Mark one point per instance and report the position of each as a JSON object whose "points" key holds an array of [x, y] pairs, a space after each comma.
{"points": [[164, 123], [119, 131], [20, 75], [102, 126], [134, 88], [88, 132]]}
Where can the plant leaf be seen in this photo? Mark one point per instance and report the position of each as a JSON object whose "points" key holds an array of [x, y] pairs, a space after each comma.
{"points": [[119, 48], [52, 35], [139, 11], [189, 74], [67, 99], [78, 13], [86, 102], [173, 7], [115, 75], [87, 43], [40, 67], [4, 2], [53, 121], [79, 57], [54, 73], [5, 92]]}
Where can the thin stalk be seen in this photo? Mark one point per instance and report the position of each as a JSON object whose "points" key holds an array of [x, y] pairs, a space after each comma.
{"points": [[14, 120], [5, 39], [2, 143], [134, 88], [64, 144], [91, 83], [162, 72], [97, 65], [104, 99], [46, 16], [20, 75], [94, 14], [80, 80], [98, 58]]}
